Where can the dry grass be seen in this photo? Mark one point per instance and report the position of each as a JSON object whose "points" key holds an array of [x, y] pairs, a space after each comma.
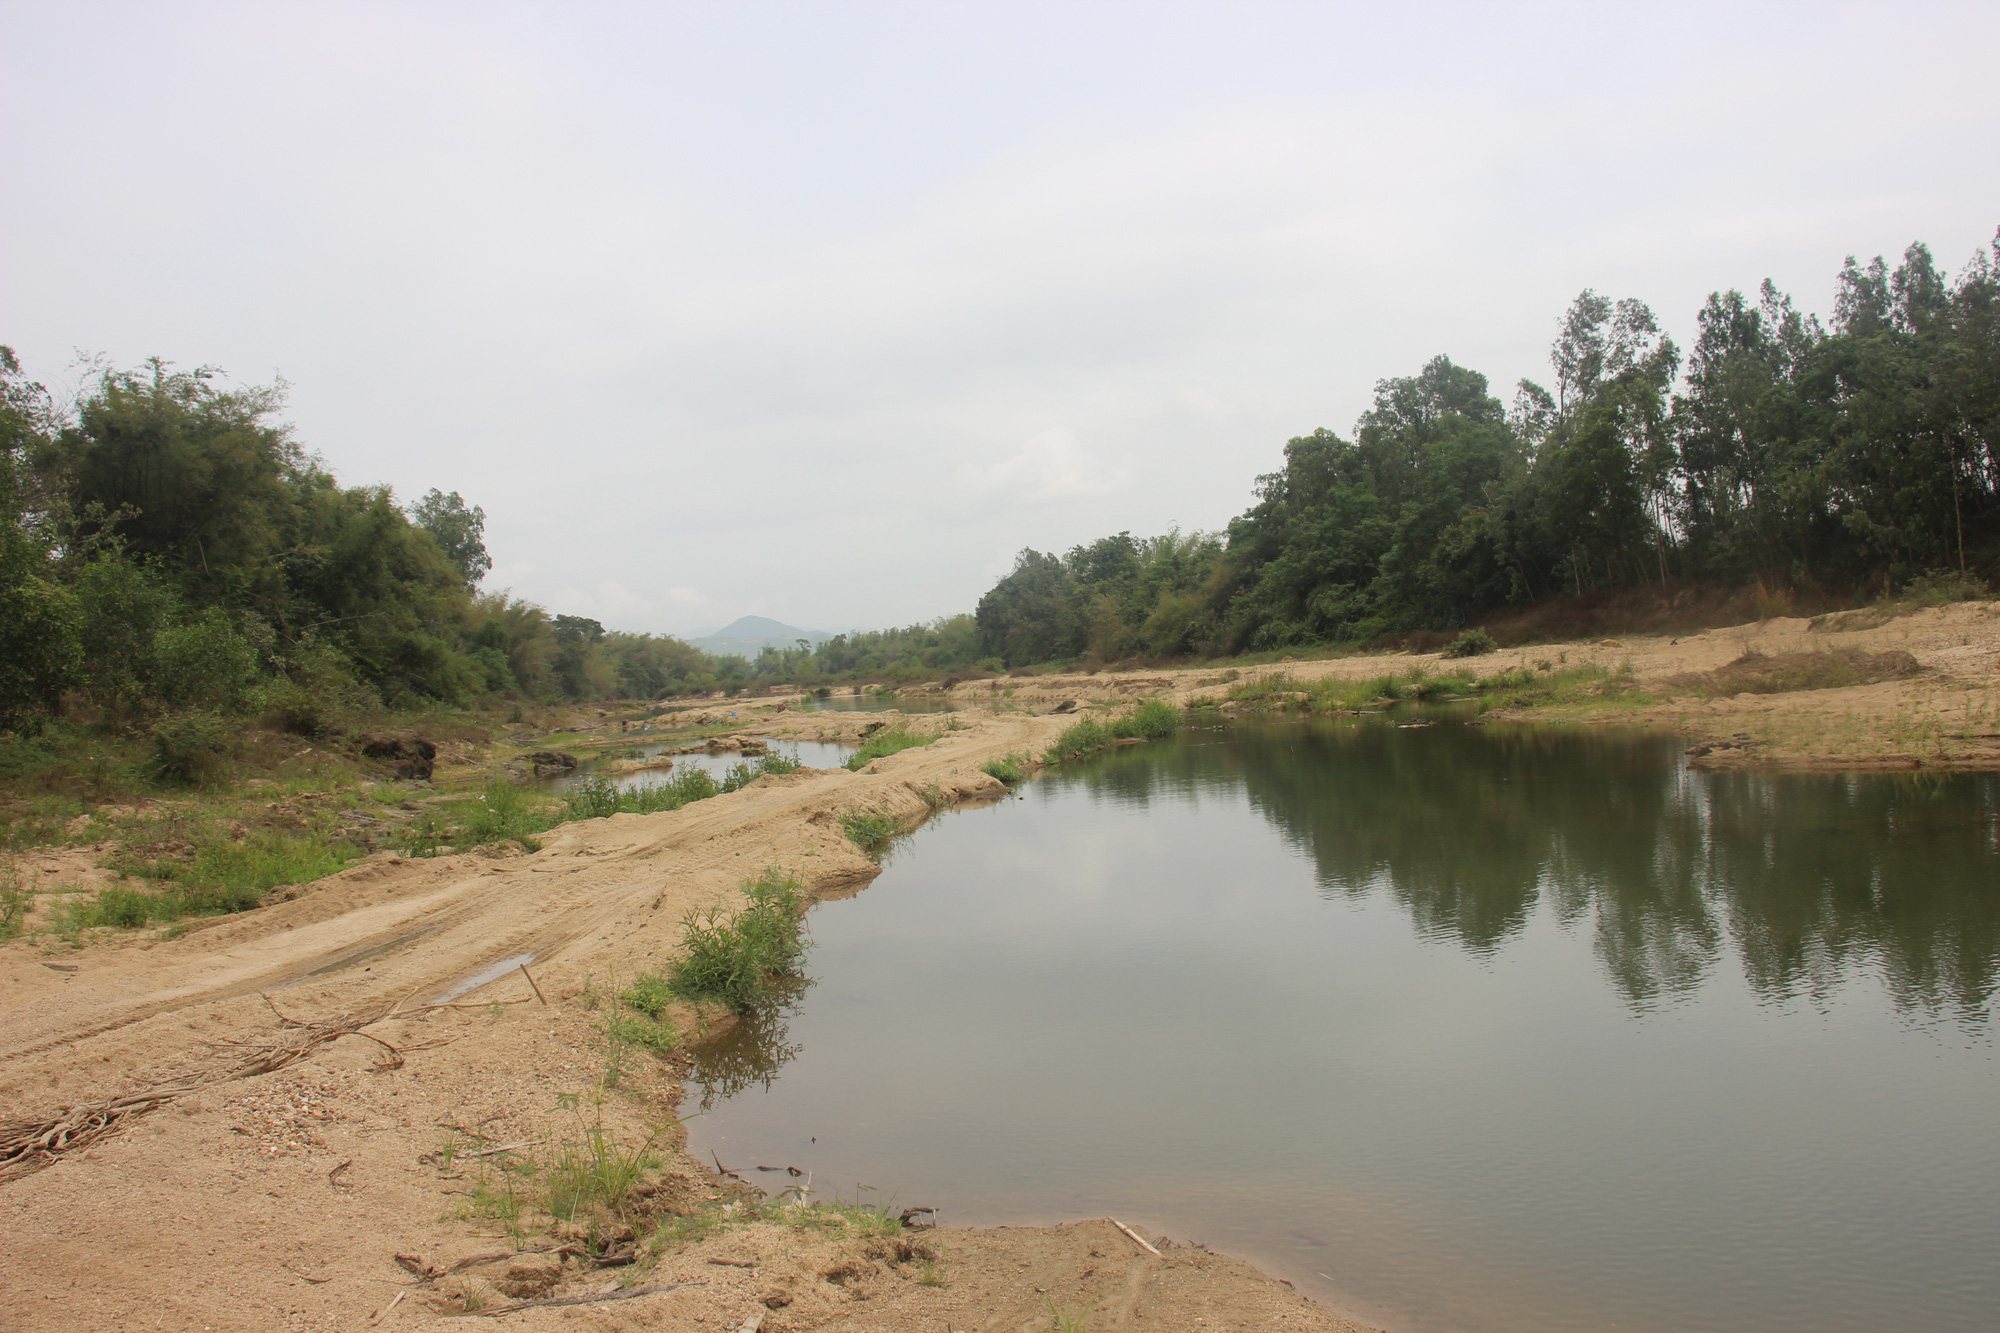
{"points": [[1755, 673]]}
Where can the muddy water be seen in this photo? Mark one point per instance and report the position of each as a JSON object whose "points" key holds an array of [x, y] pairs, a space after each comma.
{"points": [[813, 754], [1455, 1027]]}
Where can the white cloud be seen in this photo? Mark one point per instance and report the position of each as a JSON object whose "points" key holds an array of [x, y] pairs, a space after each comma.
{"points": [[1050, 466], [813, 323]]}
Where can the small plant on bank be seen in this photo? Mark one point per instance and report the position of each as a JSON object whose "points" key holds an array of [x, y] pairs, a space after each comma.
{"points": [[1011, 769], [734, 961], [1084, 738], [869, 830], [1470, 643], [1153, 720], [888, 741]]}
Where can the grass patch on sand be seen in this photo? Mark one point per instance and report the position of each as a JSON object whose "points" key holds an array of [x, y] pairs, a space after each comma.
{"points": [[1152, 720], [888, 741], [732, 961], [1011, 768], [869, 830]]}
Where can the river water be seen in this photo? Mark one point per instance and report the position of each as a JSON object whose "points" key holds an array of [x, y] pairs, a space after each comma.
{"points": [[1456, 1027]]}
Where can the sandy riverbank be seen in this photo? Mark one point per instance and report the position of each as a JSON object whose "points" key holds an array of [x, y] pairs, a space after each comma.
{"points": [[282, 1197]]}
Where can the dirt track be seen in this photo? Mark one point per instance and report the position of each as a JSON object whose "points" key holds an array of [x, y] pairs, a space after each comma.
{"points": [[280, 1200]]}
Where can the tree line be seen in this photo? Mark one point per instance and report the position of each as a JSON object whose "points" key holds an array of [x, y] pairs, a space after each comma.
{"points": [[1829, 458], [167, 544]]}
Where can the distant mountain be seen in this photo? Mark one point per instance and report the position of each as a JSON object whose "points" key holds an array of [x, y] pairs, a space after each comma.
{"points": [[751, 634]]}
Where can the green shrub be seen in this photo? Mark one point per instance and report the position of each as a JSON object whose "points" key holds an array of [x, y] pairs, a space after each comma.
{"points": [[192, 750], [595, 798], [1083, 738], [125, 908], [868, 830], [1153, 720], [234, 876], [888, 741], [208, 663], [298, 710], [649, 993], [1942, 587], [733, 961], [643, 1031], [1011, 769], [742, 775], [1470, 643]]}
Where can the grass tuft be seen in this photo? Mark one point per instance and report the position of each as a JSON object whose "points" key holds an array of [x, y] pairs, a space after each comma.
{"points": [[733, 961], [869, 830], [1155, 719], [888, 741], [1011, 769]]}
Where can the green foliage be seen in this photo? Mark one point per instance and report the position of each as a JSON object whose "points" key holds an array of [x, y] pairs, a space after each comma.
{"points": [[224, 874], [192, 750], [734, 961], [643, 1031], [1117, 597], [1011, 768], [650, 994], [888, 741], [595, 798], [869, 830], [1469, 643], [1944, 587], [1153, 720], [458, 529], [206, 663], [1082, 738]]}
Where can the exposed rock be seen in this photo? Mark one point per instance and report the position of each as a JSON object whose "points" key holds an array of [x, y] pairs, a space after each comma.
{"points": [[552, 761], [415, 758]]}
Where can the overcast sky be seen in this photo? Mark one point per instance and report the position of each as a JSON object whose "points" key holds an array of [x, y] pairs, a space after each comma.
{"points": [[822, 311]]}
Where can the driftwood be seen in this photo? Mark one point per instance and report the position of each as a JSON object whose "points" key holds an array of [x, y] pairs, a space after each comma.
{"points": [[26, 1146], [1143, 1243], [625, 1295]]}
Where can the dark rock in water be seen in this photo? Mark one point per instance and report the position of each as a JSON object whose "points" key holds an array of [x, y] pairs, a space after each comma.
{"points": [[552, 761]]}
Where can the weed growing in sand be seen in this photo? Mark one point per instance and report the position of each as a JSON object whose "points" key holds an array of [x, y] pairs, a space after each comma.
{"points": [[1152, 720], [869, 830], [732, 961], [626, 1029], [1084, 738], [1011, 768], [594, 1171], [934, 796], [1069, 1321], [888, 741], [225, 875]]}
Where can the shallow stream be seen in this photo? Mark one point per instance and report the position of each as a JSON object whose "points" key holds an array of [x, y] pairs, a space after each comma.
{"points": [[1455, 1027]]}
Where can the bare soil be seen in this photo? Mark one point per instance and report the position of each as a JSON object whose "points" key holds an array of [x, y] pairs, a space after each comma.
{"points": [[267, 1110]]}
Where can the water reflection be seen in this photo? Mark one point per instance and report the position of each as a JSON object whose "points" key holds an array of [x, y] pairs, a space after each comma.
{"points": [[1469, 828], [751, 1053]]}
